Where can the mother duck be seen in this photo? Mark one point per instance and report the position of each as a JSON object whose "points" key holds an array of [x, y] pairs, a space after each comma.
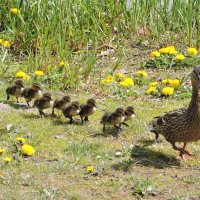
{"points": [[182, 125]]}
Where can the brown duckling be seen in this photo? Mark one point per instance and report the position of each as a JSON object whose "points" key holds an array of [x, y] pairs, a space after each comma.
{"points": [[129, 114], [43, 102], [115, 118], [61, 103], [87, 109], [182, 125], [32, 93], [71, 110], [15, 90]]}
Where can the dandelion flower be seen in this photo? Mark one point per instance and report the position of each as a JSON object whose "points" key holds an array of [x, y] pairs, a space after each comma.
{"points": [[90, 168], [62, 63], [109, 79], [172, 52], [155, 54], [20, 74], [150, 90], [166, 81], [6, 44], [2, 150], [168, 91], [180, 57], [175, 83], [192, 51], [27, 150], [170, 48], [39, 73], [153, 84], [142, 73], [7, 159], [127, 82], [1, 41], [120, 75], [164, 50], [104, 81], [26, 77], [20, 139], [15, 11]]}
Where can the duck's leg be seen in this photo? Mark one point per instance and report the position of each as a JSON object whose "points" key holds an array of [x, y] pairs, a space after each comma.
{"points": [[181, 150], [186, 151]]}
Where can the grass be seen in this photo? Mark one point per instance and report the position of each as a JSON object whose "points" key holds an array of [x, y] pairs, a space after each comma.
{"points": [[94, 39]]}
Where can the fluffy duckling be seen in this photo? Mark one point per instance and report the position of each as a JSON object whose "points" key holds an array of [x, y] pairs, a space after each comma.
{"points": [[182, 125], [15, 90], [87, 109], [115, 118], [32, 93], [129, 114], [43, 102], [61, 103], [71, 110]]}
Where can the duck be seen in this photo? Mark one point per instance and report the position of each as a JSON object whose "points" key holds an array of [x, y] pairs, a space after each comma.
{"points": [[32, 93], [113, 118], [43, 102], [87, 109], [181, 125], [71, 110], [129, 114], [61, 103], [15, 90]]}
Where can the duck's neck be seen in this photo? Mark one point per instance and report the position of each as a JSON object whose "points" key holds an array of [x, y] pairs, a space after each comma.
{"points": [[194, 105]]}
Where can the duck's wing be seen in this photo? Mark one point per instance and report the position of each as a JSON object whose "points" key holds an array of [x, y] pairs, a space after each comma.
{"points": [[159, 122]]}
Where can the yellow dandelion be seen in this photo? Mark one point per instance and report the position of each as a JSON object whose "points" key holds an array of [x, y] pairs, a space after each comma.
{"points": [[15, 11], [166, 81], [153, 84], [62, 63], [124, 84], [120, 75], [192, 51], [150, 90], [20, 74], [26, 77], [155, 54], [164, 50], [168, 91], [6, 44], [39, 73], [170, 48], [90, 168], [180, 57], [104, 81], [175, 83], [20, 139], [142, 73], [27, 150], [173, 52], [109, 79], [1, 41], [7, 159], [2, 150]]}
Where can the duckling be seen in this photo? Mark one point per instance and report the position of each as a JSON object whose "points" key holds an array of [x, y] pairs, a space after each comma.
{"points": [[61, 103], [182, 125], [115, 118], [32, 93], [71, 110], [129, 114], [43, 102], [15, 90], [87, 110]]}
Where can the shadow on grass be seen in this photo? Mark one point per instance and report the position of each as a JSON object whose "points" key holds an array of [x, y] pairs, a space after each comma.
{"points": [[140, 155], [15, 105], [58, 121], [110, 131]]}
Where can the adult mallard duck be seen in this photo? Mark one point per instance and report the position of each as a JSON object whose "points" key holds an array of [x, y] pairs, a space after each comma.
{"points": [[182, 125]]}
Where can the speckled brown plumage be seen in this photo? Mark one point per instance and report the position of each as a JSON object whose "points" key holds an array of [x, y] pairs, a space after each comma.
{"points": [[182, 125], [61, 103], [113, 118], [87, 109], [15, 90], [43, 103]]}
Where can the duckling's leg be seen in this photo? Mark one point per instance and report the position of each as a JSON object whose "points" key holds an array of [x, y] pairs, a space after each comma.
{"points": [[53, 110], [118, 127], [157, 138], [82, 120], [124, 123], [8, 96], [17, 100], [28, 104], [71, 120], [42, 113], [104, 127], [86, 119]]}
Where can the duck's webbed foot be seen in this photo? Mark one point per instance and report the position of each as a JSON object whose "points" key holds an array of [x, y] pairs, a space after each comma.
{"points": [[186, 151]]}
